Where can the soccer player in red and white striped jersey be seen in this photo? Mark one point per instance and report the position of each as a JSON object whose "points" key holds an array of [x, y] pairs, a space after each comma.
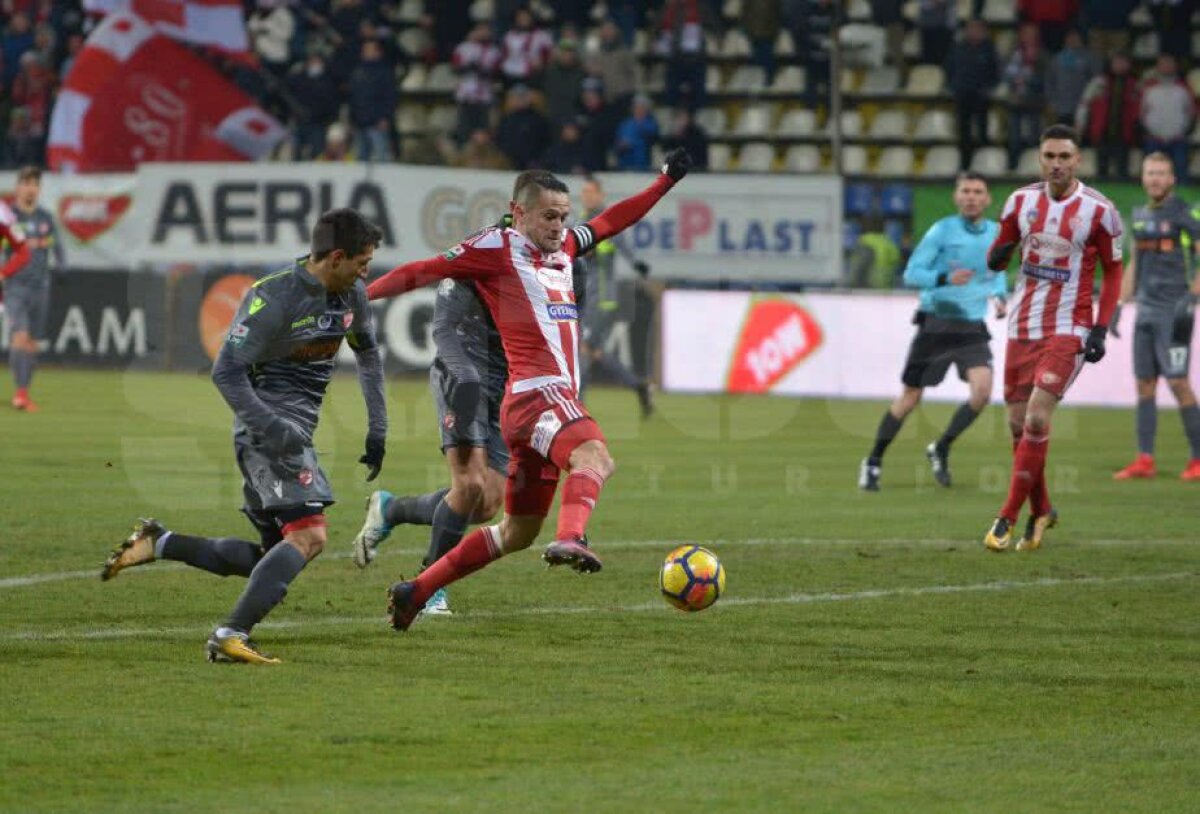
{"points": [[1064, 229], [524, 275]]}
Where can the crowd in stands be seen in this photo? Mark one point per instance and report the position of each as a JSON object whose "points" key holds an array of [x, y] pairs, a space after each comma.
{"points": [[564, 84]]}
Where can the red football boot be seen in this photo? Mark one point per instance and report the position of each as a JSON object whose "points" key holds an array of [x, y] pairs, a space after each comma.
{"points": [[1192, 472], [1142, 467]]}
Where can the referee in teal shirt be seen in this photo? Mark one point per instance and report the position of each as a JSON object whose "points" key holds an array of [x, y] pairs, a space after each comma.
{"points": [[949, 266]]}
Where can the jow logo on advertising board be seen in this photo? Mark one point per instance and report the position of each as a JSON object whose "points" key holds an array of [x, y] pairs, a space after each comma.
{"points": [[777, 335]]}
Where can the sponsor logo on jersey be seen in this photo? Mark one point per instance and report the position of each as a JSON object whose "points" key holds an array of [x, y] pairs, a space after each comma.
{"points": [[238, 334], [454, 251], [561, 311], [1051, 273], [303, 322], [1050, 246], [555, 279], [777, 336]]}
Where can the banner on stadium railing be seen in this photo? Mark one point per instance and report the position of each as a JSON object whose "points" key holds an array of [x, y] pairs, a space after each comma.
{"points": [[837, 346], [744, 229]]}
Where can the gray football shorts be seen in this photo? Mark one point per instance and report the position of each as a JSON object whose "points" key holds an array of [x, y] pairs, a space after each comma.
{"points": [[480, 429], [27, 309], [1162, 347], [279, 490]]}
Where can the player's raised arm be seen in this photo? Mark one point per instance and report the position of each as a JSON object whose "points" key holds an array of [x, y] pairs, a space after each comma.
{"points": [[623, 214]]}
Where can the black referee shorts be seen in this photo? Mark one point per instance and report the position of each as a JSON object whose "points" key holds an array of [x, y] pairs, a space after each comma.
{"points": [[940, 343]]}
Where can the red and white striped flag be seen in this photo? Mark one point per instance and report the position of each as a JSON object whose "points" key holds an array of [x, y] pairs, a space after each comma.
{"points": [[216, 24], [134, 95]]}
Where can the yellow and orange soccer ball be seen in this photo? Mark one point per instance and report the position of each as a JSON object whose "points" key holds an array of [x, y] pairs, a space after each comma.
{"points": [[691, 578]]}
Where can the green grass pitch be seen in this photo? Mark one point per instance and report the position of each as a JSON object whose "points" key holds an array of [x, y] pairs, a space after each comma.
{"points": [[869, 655]]}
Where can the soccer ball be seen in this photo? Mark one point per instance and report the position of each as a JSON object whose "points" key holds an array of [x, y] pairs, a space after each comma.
{"points": [[692, 578]]}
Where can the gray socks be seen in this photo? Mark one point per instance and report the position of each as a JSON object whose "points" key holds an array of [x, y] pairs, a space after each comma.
{"points": [[222, 556], [1147, 425], [267, 587], [417, 511], [1191, 427], [448, 528], [21, 362]]}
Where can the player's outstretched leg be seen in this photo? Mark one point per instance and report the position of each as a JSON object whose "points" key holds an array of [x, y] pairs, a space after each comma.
{"points": [[590, 466], [482, 546], [150, 541], [375, 529]]}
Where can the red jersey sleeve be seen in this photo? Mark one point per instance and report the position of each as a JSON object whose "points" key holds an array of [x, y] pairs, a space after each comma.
{"points": [[12, 234], [1107, 236], [1008, 237], [476, 258], [617, 218]]}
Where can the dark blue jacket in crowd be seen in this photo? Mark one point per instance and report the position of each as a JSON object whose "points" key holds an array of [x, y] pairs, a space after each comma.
{"points": [[972, 69], [372, 93]]}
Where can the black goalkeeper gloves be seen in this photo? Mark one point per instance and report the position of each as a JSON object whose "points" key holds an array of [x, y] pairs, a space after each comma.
{"points": [[373, 457], [677, 164], [641, 268], [1093, 348]]}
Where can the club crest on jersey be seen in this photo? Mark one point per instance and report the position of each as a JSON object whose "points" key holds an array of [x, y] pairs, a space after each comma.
{"points": [[555, 279], [325, 322], [562, 311], [1032, 215], [305, 477], [1050, 246], [453, 252], [347, 319], [1164, 227], [1075, 222]]}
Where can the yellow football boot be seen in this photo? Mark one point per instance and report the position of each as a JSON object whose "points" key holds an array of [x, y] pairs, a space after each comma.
{"points": [[136, 549], [998, 535], [1035, 529]]}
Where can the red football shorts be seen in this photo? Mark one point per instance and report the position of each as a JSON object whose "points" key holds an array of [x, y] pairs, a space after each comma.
{"points": [[1051, 364], [541, 427]]}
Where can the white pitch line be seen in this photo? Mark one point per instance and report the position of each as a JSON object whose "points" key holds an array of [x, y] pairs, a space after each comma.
{"points": [[640, 607], [615, 545]]}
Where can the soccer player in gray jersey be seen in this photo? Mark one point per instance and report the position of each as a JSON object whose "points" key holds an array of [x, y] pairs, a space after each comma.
{"points": [[467, 381], [27, 293], [273, 370], [600, 313], [1157, 279]]}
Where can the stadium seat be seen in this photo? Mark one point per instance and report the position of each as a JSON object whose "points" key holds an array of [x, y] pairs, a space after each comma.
{"points": [[411, 11], [912, 42], [641, 42], [442, 78], [784, 44], [995, 128], [415, 79], [1002, 12], [789, 79], [802, 158], [941, 161], [991, 161], [854, 159], [863, 45], [712, 119], [1145, 46], [414, 40], [732, 9], [1087, 163], [748, 80], [849, 80], [858, 200], [890, 124], [895, 161], [1027, 163], [858, 10], [1140, 18], [411, 118], [443, 118], [797, 123], [852, 125], [880, 81], [925, 80], [757, 156], [755, 121], [1135, 163], [896, 200], [720, 157], [736, 45], [934, 125], [656, 78], [483, 11], [714, 79]]}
